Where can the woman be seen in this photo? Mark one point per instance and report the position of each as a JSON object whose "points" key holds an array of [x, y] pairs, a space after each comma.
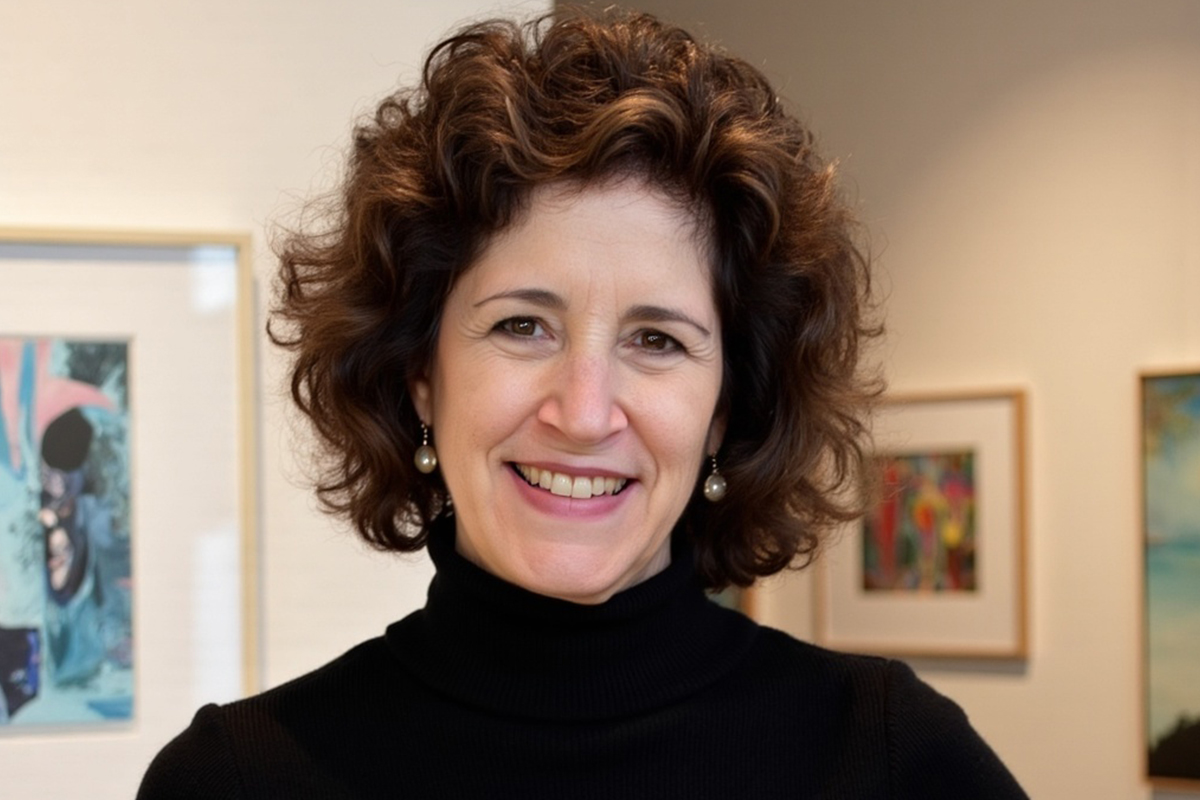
{"points": [[586, 325]]}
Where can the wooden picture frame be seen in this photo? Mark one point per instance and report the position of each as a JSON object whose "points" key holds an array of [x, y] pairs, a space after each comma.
{"points": [[183, 305], [936, 568], [1170, 505]]}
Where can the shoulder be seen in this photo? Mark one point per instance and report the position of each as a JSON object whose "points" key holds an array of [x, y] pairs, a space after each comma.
{"points": [[881, 707], [228, 750], [934, 750], [851, 675], [197, 763]]}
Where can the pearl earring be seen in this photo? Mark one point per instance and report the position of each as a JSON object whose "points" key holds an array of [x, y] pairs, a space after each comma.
{"points": [[714, 484], [425, 458]]}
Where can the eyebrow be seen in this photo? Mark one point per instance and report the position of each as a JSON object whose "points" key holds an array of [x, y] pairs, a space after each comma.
{"points": [[646, 313], [640, 313], [539, 297]]}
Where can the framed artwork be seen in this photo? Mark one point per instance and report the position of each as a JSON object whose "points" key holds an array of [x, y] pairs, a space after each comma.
{"points": [[936, 567], [66, 643], [1170, 428], [127, 489]]}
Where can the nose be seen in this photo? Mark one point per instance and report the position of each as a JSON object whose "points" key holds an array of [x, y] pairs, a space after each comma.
{"points": [[581, 399]]}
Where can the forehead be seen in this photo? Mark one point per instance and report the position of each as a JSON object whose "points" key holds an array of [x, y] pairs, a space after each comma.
{"points": [[622, 230]]}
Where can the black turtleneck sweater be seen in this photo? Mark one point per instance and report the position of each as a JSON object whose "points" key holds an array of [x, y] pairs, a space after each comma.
{"points": [[492, 691]]}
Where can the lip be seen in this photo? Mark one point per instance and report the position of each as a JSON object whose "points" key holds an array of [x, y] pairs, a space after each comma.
{"points": [[554, 505], [585, 471]]}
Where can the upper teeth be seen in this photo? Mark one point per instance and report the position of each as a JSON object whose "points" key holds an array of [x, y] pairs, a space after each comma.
{"points": [[564, 485]]}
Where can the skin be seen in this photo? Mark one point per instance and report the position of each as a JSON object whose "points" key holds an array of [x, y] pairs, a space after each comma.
{"points": [[584, 341]]}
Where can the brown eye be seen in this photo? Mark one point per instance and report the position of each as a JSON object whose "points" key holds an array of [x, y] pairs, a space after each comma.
{"points": [[520, 326], [657, 341]]}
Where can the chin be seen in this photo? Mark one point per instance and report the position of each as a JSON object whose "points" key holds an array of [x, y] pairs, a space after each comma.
{"points": [[583, 578], [589, 595]]}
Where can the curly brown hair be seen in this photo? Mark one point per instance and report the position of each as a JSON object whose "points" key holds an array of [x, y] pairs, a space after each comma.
{"points": [[442, 167]]}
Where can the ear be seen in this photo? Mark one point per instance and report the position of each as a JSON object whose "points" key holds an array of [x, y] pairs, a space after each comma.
{"points": [[421, 392], [716, 434]]}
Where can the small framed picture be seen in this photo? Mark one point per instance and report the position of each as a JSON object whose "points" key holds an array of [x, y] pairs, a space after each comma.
{"points": [[1170, 471], [936, 567]]}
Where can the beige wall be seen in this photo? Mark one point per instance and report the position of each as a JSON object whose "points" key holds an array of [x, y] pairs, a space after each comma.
{"points": [[1030, 175], [203, 116]]}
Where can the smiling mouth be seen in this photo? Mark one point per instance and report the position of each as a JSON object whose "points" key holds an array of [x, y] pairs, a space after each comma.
{"points": [[580, 487]]}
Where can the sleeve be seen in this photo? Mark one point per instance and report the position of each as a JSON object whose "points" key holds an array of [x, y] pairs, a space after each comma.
{"points": [[197, 763], [934, 752]]}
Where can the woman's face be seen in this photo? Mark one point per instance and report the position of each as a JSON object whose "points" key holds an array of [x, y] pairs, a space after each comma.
{"points": [[573, 390]]}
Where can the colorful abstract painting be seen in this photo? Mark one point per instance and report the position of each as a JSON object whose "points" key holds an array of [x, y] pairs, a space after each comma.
{"points": [[1171, 440], [920, 534], [66, 645]]}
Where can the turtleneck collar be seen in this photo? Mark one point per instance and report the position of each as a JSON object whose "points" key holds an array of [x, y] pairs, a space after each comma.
{"points": [[498, 647]]}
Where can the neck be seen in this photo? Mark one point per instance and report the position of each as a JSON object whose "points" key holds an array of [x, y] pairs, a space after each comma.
{"points": [[498, 646]]}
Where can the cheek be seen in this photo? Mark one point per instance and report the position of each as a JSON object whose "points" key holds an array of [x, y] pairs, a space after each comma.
{"points": [[676, 428], [478, 404]]}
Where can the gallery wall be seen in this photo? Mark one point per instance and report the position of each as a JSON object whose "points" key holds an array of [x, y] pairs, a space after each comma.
{"points": [[1029, 175], [211, 116]]}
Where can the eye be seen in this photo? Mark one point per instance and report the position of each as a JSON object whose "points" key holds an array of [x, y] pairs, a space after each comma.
{"points": [[657, 341], [524, 327]]}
